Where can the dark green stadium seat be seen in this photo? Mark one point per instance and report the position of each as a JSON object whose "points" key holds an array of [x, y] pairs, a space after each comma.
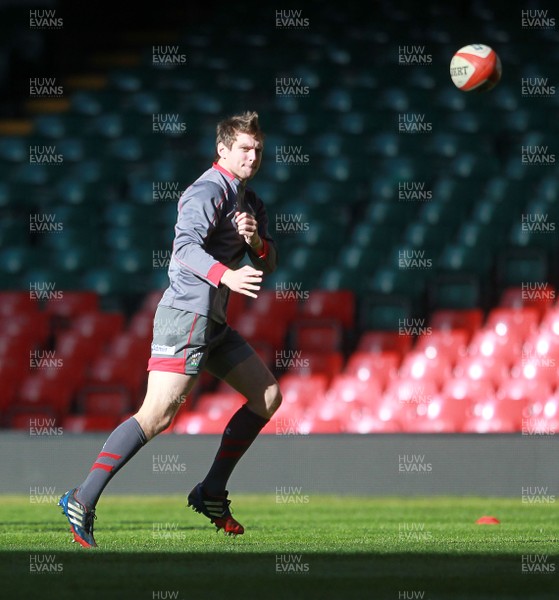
{"points": [[406, 282], [342, 278], [516, 266], [443, 144], [34, 174], [76, 259], [361, 260], [384, 312], [439, 214], [295, 124], [454, 291], [92, 103], [122, 214], [126, 149], [51, 280], [475, 165], [432, 238], [142, 258], [5, 194], [338, 99], [473, 259], [391, 213], [494, 214], [106, 281], [107, 125], [383, 188], [74, 191], [15, 260], [370, 235], [14, 231], [126, 80], [451, 100], [127, 237], [14, 149], [384, 144], [59, 126]]}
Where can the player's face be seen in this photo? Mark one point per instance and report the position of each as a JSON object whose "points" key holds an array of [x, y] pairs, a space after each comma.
{"points": [[244, 156]]}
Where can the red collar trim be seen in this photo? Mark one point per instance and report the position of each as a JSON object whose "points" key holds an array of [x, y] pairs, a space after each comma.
{"points": [[224, 171]]}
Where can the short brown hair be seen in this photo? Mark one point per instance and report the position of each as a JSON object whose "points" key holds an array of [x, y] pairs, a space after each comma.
{"points": [[246, 122]]}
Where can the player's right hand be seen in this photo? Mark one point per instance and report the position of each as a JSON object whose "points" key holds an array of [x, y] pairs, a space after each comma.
{"points": [[243, 280]]}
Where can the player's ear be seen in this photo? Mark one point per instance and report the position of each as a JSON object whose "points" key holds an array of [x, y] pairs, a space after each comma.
{"points": [[222, 150]]}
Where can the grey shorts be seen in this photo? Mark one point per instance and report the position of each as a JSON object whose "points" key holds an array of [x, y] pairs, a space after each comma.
{"points": [[185, 342]]}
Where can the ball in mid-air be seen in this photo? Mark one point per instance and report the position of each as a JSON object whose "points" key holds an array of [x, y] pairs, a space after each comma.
{"points": [[475, 67]]}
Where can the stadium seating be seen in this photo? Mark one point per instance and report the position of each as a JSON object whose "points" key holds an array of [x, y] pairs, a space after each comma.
{"points": [[359, 342]]}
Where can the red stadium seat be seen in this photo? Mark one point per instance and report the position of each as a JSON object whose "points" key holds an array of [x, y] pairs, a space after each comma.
{"points": [[106, 370], [550, 321], [17, 303], [218, 402], [450, 343], [439, 414], [11, 375], [18, 348], [385, 341], [487, 343], [380, 418], [378, 366], [328, 364], [98, 327], [37, 422], [72, 304], [409, 392], [317, 336], [141, 326], [526, 391], [259, 327], [268, 303], [126, 345], [194, 423], [520, 323], [542, 416], [416, 365], [32, 326], [494, 416], [336, 304], [43, 388], [104, 400], [317, 425], [302, 391], [89, 423], [151, 300], [534, 368], [346, 389], [469, 390], [538, 296], [481, 368], [71, 344], [467, 319], [543, 346]]}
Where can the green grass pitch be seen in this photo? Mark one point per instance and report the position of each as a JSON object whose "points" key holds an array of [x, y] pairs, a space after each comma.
{"points": [[154, 548]]}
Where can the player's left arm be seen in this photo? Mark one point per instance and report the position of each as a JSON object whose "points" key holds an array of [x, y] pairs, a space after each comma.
{"points": [[262, 249]]}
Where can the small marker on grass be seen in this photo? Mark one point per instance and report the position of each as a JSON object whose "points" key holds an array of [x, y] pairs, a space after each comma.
{"points": [[486, 520]]}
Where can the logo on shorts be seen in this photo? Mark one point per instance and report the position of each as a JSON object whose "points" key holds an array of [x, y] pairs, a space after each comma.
{"points": [[160, 349], [194, 359]]}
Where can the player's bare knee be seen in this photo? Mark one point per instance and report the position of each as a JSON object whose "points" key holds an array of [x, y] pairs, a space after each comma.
{"points": [[273, 398]]}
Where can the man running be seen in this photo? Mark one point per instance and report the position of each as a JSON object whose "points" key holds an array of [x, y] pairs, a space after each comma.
{"points": [[220, 220]]}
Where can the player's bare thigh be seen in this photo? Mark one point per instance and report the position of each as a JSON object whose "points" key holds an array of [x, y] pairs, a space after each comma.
{"points": [[165, 394], [255, 382]]}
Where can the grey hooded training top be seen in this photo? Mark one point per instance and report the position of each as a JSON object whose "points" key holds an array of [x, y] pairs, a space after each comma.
{"points": [[207, 243]]}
